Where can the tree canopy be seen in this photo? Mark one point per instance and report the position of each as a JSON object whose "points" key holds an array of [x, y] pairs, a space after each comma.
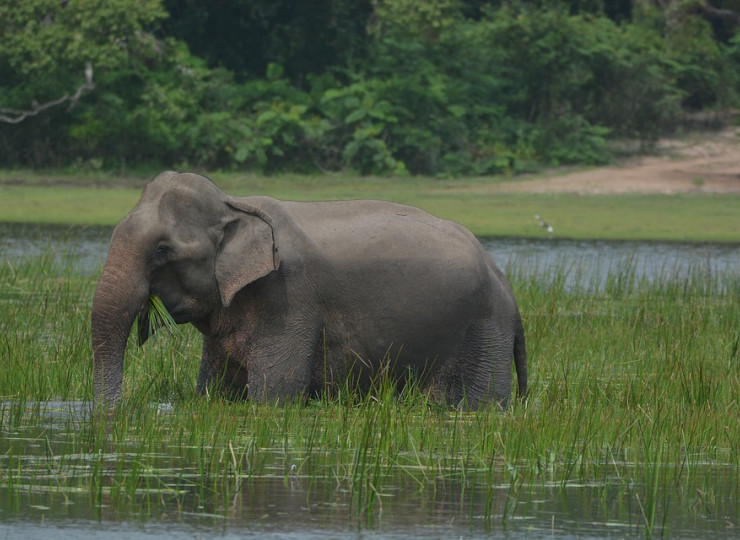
{"points": [[439, 87]]}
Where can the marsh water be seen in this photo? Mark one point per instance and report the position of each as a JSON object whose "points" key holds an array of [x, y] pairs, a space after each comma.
{"points": [[586, 262], [286, 501]]}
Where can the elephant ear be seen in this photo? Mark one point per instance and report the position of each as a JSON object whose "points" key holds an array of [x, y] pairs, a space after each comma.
{"points": [[247, 252]]}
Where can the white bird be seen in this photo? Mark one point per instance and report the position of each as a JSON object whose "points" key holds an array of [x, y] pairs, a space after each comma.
{"points": [[544, 224]]}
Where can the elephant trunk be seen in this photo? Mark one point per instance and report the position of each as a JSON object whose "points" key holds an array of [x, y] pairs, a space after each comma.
{"points": [[121, 294]]}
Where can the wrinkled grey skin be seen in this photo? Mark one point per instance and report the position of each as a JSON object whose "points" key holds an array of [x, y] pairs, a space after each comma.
{"points": [[293, 298]]}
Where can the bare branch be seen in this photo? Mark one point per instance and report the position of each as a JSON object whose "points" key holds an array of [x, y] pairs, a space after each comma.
{"points": [[718, 13], [15, 116]]}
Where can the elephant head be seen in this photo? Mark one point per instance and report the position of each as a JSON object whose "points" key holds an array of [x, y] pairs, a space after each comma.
{"points": [[186, 242]]}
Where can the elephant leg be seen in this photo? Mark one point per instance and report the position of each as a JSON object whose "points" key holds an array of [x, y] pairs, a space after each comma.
{"points": [[220, 373], [278, 378], [208, 373], [264, 371], [497, 356], [480, 370], [280, 369], [501, 358]]}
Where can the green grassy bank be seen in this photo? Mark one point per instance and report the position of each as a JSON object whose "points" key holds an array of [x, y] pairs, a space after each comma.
{"points": [[476, 203]]}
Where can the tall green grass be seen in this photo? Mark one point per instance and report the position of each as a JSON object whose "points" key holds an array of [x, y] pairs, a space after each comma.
{"points": [[634, 394]]}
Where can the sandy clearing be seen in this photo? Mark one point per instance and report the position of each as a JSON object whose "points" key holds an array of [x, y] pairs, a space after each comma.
{"points": [[708, 165]]}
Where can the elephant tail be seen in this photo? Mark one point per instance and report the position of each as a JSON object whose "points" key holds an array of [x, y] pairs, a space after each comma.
{"points": [[520, 361]]}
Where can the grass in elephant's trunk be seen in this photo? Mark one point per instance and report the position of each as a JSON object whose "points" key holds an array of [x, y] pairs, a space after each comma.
{"points": [[632, 419], [152, 317]]}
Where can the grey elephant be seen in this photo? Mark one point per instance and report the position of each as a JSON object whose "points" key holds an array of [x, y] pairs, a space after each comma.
{"points": [[297, 298]]}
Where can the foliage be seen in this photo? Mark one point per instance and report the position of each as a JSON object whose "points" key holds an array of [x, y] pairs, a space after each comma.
{"points": [[47, 37], [425, 19], [246, 36], [446, 88], [46, 47]]}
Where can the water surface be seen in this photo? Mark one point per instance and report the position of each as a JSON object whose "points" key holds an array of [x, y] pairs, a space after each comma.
{"points": [[584, 261], [288, 499]]}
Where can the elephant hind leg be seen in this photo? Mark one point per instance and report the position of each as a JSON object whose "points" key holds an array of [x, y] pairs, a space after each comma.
{"points": [[480, 370]]}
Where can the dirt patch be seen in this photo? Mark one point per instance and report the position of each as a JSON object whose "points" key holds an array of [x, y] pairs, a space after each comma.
{"points": [[709, 164]]}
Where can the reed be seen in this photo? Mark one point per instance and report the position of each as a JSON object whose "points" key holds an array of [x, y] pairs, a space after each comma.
{"points": [[634, 397]]}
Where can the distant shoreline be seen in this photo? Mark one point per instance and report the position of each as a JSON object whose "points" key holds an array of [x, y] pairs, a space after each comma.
{"points": [[489, 206]]}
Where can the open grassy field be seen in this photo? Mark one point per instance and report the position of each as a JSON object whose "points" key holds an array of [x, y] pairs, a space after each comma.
{"points": [[476, 203]]}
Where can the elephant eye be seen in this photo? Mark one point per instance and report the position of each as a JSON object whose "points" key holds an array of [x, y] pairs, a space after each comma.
{"points": [[162, 253]]}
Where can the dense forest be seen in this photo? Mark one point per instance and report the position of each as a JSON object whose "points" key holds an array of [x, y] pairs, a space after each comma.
{"points": [[433, 87]]}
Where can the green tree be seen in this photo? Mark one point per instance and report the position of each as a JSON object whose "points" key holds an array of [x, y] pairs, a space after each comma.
{"points": [[246, 36], [50, 46], [54, 57], [440, 87], [415, 18]]}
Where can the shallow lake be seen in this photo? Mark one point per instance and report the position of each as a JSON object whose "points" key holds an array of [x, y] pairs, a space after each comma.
{"points": [[290, 499], [582, 261], [285, 501]]}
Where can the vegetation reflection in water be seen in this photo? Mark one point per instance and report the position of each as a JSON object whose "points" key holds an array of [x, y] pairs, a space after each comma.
{"points": [[632, 424]]}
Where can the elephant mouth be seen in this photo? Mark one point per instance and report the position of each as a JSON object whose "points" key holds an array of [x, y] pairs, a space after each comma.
{"points": [[154, 316]]}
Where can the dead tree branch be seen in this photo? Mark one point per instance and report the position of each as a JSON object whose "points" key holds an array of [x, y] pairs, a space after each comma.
{"points": [[15, 116], [718, 13]]}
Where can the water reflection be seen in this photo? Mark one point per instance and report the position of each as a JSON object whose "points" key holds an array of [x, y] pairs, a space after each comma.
{"points": [[57, 495]]}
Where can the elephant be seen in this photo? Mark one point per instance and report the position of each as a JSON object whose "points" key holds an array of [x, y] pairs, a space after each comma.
{"points": [[298, 298]]}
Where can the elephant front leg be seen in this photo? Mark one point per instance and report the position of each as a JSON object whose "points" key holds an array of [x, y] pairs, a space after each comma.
{"points": [[229, 379], [219, 373], [280, 367], [205, 380], [262, 371], [208, 374], [278, 377]]}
